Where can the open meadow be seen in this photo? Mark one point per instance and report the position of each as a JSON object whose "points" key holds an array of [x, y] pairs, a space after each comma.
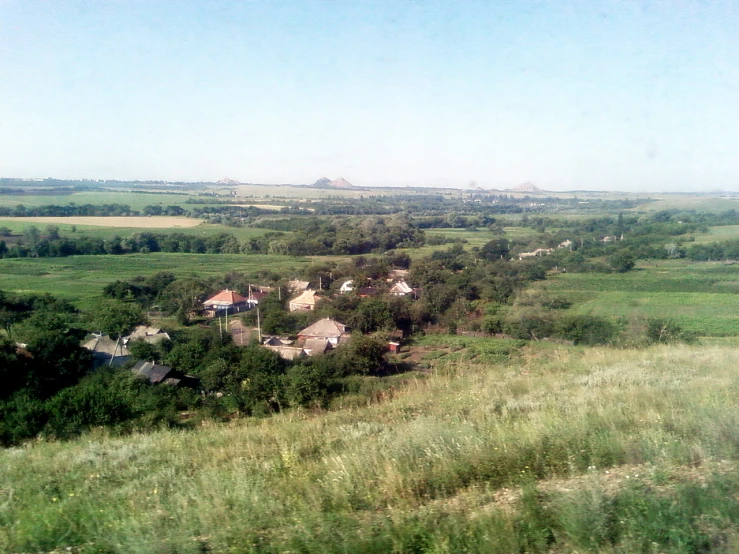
{"points": [[718, 234], [551, 449]]}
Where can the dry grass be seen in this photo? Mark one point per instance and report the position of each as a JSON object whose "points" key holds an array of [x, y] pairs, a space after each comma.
{"points": [[447, 464], [132, 222]]}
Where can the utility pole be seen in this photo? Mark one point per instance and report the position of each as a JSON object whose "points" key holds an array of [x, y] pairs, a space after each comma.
{"points": [[259, 327]]}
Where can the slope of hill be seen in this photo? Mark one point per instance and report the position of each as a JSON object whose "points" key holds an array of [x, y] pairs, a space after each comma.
{"points": [[323, 182], [556, 449]]}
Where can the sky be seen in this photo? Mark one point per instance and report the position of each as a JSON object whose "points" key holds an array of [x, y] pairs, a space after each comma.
{"points": [[624, 95]]}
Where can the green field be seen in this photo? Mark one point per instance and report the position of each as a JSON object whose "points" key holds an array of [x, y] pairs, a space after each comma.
{"points": [[701, 297], [81, 278], [718, 234], [558, 450]]}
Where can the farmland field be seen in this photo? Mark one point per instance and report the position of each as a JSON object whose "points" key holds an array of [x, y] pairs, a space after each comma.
{"points": [[81, 278], [701, 297], [68, 228], [145, 222], [137, 200]]}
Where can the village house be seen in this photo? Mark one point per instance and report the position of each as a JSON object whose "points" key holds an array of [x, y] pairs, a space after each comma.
{"points": [[565, 244], [155, 373], [305, 302], [224, 303], [322, 336], [287, 352], [158, 374], [539, 252], [401, 288], [255, 296], [152, 335], [346, 286], [106, 351]]}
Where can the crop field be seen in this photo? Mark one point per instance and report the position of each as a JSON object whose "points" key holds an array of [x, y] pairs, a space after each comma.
{"points": [[81, 278], [701, 297], [68, 229], [134, 222], [137, 200], [556, 450]]}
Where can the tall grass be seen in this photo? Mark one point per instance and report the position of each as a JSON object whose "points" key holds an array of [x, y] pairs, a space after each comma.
{"points": [[558, 450]]}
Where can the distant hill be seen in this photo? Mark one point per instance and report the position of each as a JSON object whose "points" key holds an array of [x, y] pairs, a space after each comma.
{"points": [[525, 187], [340, 183], [228, 181], [323, 182]]}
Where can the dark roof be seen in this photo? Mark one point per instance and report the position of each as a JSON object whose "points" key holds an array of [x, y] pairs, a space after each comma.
{"points": [[153, 372]]}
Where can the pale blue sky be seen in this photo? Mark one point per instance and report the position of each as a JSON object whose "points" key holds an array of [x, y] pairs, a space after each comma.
{"points": [[628, 95]]}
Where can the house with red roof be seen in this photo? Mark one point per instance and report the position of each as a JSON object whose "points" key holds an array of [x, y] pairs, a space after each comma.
{"points": [[224, 303]]}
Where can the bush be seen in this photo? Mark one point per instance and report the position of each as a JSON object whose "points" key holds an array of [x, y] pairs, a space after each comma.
{"points": [[663, 331], [586, 329], [529, 324]]}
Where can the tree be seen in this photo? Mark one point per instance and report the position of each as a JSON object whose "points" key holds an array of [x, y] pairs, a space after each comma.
{"points": [[118, 319], [58, 360], [372, 315], [495, 249], [622, 261]]}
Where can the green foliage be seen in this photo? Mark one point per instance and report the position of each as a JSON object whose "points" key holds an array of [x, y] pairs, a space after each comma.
{"points": [[664, 331], [529, 324], [56, 358], [118, 319], [372, 314], [586, 329], [622, 261], [308, 384]]}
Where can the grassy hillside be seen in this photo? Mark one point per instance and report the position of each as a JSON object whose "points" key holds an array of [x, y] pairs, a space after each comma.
{"points": [[554, 450]]}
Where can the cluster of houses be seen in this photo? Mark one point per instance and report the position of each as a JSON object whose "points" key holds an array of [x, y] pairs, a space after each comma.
{"points": [[106, 351], [320, 337]]}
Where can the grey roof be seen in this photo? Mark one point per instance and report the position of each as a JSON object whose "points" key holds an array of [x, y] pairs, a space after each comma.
{"points": [[153, 372], [148, 334], [287, 352], [316, 346], [103, 344], [324, 328]]}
